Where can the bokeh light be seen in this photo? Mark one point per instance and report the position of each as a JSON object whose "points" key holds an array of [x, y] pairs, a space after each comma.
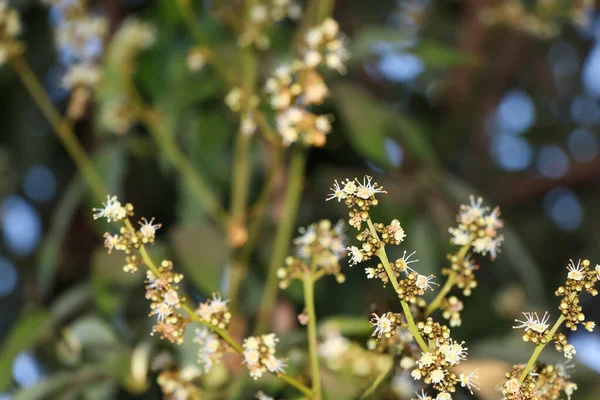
{"points": [[21, 225], [400, 67], [26, 370], [552, 161], [564, 208], [582, 145], [515, 113], [9, 275], [511, 153], [39, 183], [394, 152]]}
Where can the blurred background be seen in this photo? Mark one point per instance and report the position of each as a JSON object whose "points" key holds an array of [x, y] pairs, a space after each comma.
{"points": [[442, 99]]}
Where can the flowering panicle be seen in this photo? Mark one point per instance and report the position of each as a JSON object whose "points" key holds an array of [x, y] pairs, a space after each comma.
{"points": [[10, 28], [215, 312], [177, 384], [296, 87], [543, 382], [210, 348], [436, 366], [259, 355], [79, 38], [320, 247], [261, 16]]}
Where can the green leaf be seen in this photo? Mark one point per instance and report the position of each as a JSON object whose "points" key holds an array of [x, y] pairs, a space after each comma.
{"points": [[365, 121], [202, 255], [436, 54], [414, 137], [347, 325], [23, 335], [421, 238]]}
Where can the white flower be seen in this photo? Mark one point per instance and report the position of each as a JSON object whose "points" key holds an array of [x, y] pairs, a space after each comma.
{"points": [[356, 255], [470, 381], [274, 364], [454, 352], [368, 189], [333, 346], [251, 343], [513, 386], [148, 230], [270, 340], [407, 363], [171, 297], [338, 193], [533, 322], [349, 187], [397, 231], [262, 396], [569, 351], [110, 241], [217, 304], [382, 324], [437, 375], [112, 211], [163, 310], [576, 272], [424, 282], [597, 269], [209, 348], [426, 360], [416, 374], [370, 272], [423, 395], [570, 387], [470, 213], [405, 260], [444, 396], [251, 357], [460, 236]]}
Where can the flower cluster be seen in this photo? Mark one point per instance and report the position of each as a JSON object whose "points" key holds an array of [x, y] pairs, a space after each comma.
{"points": [[177, 384], [580, 278], [113, 210], [319, 249], [259, 355], [463, 268], [210, 350], [10, 28], [262, 15], [215, 312], [117, 113], [162, 289], [543, 382], [126, 240], [79, 38], [296, 87], [436, 366], [478, 228]]}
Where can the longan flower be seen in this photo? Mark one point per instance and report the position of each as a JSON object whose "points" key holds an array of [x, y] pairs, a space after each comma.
{"points": [[148, 229], [576, 272], [533, 323], [382, 325], [356, 255], [453, 352], [210, 350], [423, 396], [470, 381], [215, 312], [259, 355], [424, 282], [113, 210]]}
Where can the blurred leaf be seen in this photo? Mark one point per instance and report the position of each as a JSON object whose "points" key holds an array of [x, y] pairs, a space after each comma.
{"points": [[513, 250], [74, 298], [422, 239], [349, 326], [111, 164], [22, 336], [50, 387], [365, 121], [436, 54], [369, 121], [61, 218], [202, 255]]}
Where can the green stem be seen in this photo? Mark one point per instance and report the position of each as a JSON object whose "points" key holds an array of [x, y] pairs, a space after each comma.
{"points": [[412, 327], [283, 237], [309, 303], [435, 304], [60, 127], [371, 389], [539, 348]]}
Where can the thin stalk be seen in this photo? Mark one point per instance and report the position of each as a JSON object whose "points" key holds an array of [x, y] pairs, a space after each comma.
{"points": [[435, 304], [283, 237], [539, 348], [182, 164], [412, 327], [60, 126], [371, 389], [311, 328]]}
